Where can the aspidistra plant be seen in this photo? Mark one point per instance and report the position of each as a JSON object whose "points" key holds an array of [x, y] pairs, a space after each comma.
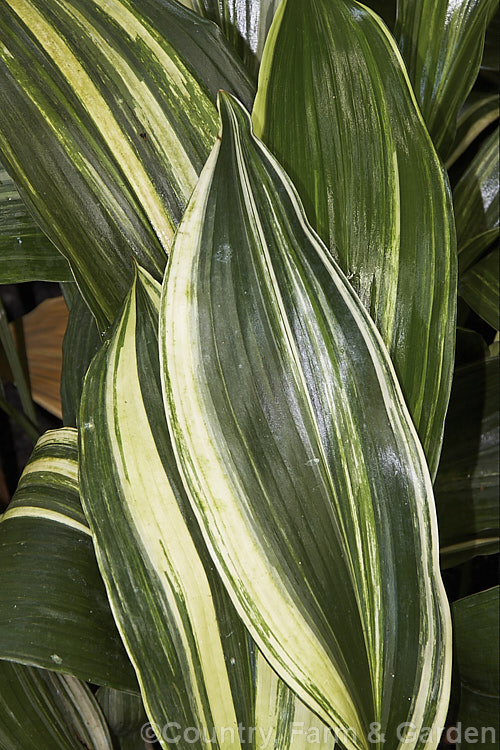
{"points": [[257, 367]]}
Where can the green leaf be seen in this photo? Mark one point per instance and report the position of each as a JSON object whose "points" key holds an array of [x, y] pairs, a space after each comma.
{"points": [[491, 56], [124, 712], [476, 621], [475, 199], [480, 288], [48, 711], [343, 121], [81, 342], [173, 614], [25, 252], [479, 111], [442, 44], [282, 721], [19, 373], [54, 612], [120, 101], [245, 24], [297, 451], [466, 486]]}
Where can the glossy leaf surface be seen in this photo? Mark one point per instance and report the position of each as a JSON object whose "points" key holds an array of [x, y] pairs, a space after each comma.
{"points": [[245, 23], [25, 252], [476, 621], [442, 43], [341, 117], [475, 199], [54, 612], [297, 451], [81, 342], [188, 647], [48, 711], [120, 101], [467, 486], [479, 111], [480, 288]]}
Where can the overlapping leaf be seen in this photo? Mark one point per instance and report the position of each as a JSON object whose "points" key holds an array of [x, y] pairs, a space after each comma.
{"points": [[442, 43], [479, 111], [119, 101], [299, 456], [18, 372], [475, 199], [81, 342], [467, 484], [54, 612], [341, 117], [476, 621], [48, 711], [25, 252], [282, 721], [480, 288], [188, 646], [245, 24]]}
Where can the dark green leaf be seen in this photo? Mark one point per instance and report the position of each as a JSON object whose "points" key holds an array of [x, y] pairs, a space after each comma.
{"points": [[476, 621], [298, 453], [466, 486], [19, 373], [244, 22], [54, 612], [48, 711], [81, 343], [475, 199], [479, 111], [124, 712], [479, 287], [119, 97], [188, 646], [442, 44], [341, 117], [25, 252]]}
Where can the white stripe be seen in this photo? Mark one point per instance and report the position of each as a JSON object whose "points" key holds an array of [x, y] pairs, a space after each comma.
{"points": [[29, 511]]}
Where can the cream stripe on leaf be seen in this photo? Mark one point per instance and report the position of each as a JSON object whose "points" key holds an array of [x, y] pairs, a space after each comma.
{"points": [[245, 23], [341, 117], [282, 721], [25, 252], [442, 43], [298, 453], [54, 612], [49, 711], [189, 648], [120, 103], [476, 203]]}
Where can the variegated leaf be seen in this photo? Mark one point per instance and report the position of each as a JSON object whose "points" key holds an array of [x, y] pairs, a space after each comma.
{"points": [[479, 111], [476, 203], [25, 252], [341, 117], [119, 98], [442, 43], [282, 721], [298, 454], [188, 646], [480, 288], [467, 482], [48, 711], [244, 22], [476, 621], [54, 612]]}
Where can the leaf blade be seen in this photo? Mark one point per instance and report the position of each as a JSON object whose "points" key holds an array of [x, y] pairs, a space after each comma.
{"points": [[371, 183], [249, 283], [55, 613]]}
